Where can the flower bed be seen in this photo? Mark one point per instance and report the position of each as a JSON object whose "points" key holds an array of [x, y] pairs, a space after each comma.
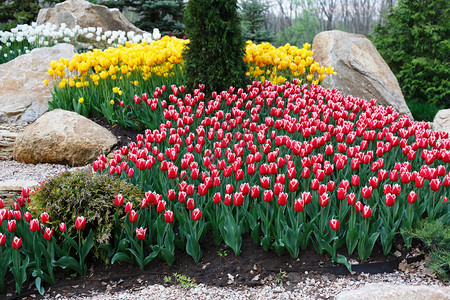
{"points": [[104, 82], [291, 165]]}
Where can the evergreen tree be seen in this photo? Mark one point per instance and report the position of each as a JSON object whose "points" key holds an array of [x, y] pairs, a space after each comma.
{"points": [[166, 15], [415, 44], [214, 56], [253, 15], [14, 12]]}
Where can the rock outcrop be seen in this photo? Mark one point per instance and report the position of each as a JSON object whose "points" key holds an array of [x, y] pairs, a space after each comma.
{"points": [[441, 121], [361, 71], [62, 137], [23, 95], [86, 14]]}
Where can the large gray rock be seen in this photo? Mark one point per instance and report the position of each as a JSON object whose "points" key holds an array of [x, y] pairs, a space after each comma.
{"points": [[361, 71], [62, 137], [85, 14], [385, 291], [23, 95], [441, 121]]}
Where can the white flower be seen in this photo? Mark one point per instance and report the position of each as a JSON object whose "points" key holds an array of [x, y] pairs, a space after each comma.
{"points": [[98, 38], [156, 34], [46, 43]]}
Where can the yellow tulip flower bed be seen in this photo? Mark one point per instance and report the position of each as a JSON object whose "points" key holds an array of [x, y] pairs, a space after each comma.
{"points": [[105, 82]]}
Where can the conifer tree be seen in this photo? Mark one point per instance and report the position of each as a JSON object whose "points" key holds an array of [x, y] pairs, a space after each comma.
{"points": [[214, 56]]}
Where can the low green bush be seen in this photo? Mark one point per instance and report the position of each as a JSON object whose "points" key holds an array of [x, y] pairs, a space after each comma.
{"points": [[81, 193], [436, 236]]}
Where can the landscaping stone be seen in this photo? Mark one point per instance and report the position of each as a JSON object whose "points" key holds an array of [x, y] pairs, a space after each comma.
{"points": [[361, 71], [23, 95], [8, 134], [86, 14], [13, 187], [63, 137], [441, 121], [384, 291]]}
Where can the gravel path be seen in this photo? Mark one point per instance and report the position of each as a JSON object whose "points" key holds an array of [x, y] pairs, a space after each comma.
{"points": [[13, 170], [311, 287]]}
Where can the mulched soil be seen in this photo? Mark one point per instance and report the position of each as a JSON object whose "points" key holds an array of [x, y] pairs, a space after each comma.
{"points": [[253, 267]]}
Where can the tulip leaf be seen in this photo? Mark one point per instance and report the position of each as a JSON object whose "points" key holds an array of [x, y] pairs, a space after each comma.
{"points": [[39, 287], [168, 256], [150, 257], [341, 259], [120, 256], [87, 245], [265, 242], [351, 239], [69, 262], [193, 248]]}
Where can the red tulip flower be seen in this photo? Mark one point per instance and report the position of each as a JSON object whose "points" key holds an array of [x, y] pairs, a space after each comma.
{"points": [[238, 199], [268, 196], [16, 242], [26, 192], [341, 193], [412, 197], [330, 186], [359, 207], [128, 207], [355, 180], [306, 196], [80, 222], [323, 200], [17, 215], [62, 227], [299, 205], [118, 200], [202, 189], [12, 225], [366, 212], [161, 207], [351, 199], [48, 234], [196, 214], [396, 188], [393, 175], [254, 192], [34, 225], [2, 239], [389, 199], [366, 192], [282, 199], [190, 204], [373, 182], [334, 224], [245, 188], [435, 184], [2, 205], [140, 233], [27, 216], [217, 198], [45, 217], [168, 216], [293, 185], [305, 173], [132, 217], [315, 184], [228, 199]]}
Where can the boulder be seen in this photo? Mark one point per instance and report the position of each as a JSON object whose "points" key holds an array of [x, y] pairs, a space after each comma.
{"points": [[361, 71], [86, 14], [62, 137], [385, 291], [441, 121], [23, 95]]}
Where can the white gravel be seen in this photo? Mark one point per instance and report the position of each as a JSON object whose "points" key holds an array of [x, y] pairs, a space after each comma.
{"points": [[13, 170]]}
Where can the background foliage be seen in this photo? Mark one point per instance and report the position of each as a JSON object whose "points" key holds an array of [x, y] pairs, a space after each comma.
{"points": [[414, 42]]}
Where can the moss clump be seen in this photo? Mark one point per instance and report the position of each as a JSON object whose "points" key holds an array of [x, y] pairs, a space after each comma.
{"points": [[81, 193]]}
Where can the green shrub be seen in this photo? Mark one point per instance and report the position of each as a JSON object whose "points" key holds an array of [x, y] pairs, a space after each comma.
{"points": [[415, 44], [214, 56], [81, 193], [436, 236]]}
